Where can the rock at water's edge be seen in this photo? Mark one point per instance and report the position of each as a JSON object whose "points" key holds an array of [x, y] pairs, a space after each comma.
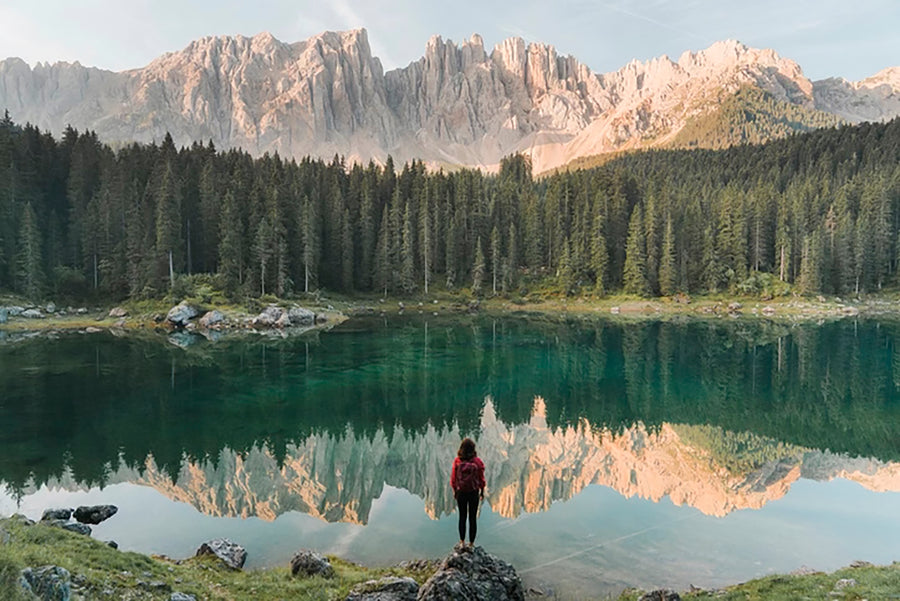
{"points": [[212, 318], [176, 596], [269, 316], [181, 314], [94, 514], [472, 574], [4, 315], [229, 552], [310, 563], [118, 312], [301, 317], [32, 314], [661, 595], [57, 514], [389, 588]]}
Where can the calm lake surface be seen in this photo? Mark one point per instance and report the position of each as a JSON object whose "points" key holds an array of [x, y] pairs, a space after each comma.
{"points": [[618, 454]]}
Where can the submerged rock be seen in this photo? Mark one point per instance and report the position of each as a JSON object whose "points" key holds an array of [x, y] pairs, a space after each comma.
{"points": [[48, 583], [473, 574], [94, 514], [389, 588], [231, 553], [310, 563]]}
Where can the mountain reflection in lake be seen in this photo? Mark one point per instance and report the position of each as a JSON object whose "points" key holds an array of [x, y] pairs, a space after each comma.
{"points": [[686, 422]]}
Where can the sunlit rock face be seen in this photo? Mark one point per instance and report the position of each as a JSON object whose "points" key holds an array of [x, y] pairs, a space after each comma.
{"points": [[459, 104], [529, 466]]}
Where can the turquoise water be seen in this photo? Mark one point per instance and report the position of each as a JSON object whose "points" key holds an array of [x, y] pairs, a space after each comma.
{"points": [[648, 454]]}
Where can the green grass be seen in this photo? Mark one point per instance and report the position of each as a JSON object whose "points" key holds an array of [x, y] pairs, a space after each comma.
{"points": [[106, 573]]}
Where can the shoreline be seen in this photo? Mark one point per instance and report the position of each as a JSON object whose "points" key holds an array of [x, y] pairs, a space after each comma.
{"points": [[147, 316], [100, 571]]}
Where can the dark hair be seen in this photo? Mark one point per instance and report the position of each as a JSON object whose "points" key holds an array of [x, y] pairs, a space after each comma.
{"points": [[466, 449]]}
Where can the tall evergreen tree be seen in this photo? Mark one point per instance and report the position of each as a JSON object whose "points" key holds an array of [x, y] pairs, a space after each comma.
{"points": [[30, 268], [667, 274], [635, 272]]}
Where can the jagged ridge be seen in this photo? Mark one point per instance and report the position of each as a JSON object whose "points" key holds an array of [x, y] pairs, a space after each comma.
{"points": [[457, 104]]}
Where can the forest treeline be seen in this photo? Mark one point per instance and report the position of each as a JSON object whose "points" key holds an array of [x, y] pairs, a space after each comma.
{"points": [[819, 212]]}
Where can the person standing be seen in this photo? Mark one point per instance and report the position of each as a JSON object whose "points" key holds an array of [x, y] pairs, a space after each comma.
{"points": [[467, 481]]}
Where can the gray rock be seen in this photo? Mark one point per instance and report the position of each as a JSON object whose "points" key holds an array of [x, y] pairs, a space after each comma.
{"points": [[15, 311], [176, 596], [859, 563], [50, 308], [181, 313], [269, 316], [77, 528], [231, 553], [57, 514], [92, 330], [183, 339], [4, 536], [845, 583], [211, 318], [94, 514], [301, 317], [4, 315], [735, 307], [118, 312], [32, 314], [660, 595], [310, 563], [389, 588], [472, 574], [113, 544], [81, 310], [283, 322], [48, 583]]}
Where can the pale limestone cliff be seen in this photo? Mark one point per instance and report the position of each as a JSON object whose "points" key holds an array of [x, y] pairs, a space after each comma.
{"points": [[458, 104]]}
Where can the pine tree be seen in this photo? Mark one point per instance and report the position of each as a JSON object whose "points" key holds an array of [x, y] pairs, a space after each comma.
{"points": [[478, 269], [635, 272], [565, 272], [168, 219], [229, 248], [263, 252], [599, 256], [495, 260], [407, 255], [29, 261], [512, 261], [667, 275], [383, 270], [347, 252], [310, 240]]}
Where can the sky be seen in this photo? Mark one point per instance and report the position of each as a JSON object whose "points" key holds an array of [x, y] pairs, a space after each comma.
{"points": [[847, 38]]}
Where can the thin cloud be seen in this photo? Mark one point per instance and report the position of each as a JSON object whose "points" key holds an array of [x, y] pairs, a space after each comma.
{"points": [[679, 30]]}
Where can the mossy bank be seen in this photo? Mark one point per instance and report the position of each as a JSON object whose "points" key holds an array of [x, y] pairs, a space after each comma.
{"points": [[100, 572]]}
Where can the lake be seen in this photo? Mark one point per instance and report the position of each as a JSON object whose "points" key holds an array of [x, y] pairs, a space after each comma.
{"points": [[649, 454]]}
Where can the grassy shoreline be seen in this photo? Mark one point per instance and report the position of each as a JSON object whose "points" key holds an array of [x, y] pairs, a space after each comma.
{"points": [[101, 572]]}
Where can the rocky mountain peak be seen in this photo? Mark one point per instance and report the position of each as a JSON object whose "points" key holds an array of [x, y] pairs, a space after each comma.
{"points": [[457, 104]]}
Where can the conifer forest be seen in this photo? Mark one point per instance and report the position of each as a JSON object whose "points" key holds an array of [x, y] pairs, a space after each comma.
{"points": [[816, 213]]}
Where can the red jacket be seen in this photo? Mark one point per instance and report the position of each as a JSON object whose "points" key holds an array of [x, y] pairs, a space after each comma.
{"points": [[477, 461]]}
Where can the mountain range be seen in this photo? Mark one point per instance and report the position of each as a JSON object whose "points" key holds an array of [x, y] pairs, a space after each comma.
{"points": [[457, 105]]}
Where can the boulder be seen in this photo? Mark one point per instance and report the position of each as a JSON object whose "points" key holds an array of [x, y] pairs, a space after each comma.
{"points": [[181, 313], [269, 316], [4, 315], [32, 314], [94, 514], [231, 553], [118, 312], [57, 514], [92, 330], [660, 595], [310, 563], [735, 307], [48, 583], [211, 318], [81, 310], [472, 574], [176, 596], [301, 317], [389, 588], [77, 528], [50, 308], [768, 310], [15, 311], [283, 322]]}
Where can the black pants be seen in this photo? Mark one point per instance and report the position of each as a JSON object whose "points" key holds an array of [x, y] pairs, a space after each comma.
{"points": [[468, 506]]}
